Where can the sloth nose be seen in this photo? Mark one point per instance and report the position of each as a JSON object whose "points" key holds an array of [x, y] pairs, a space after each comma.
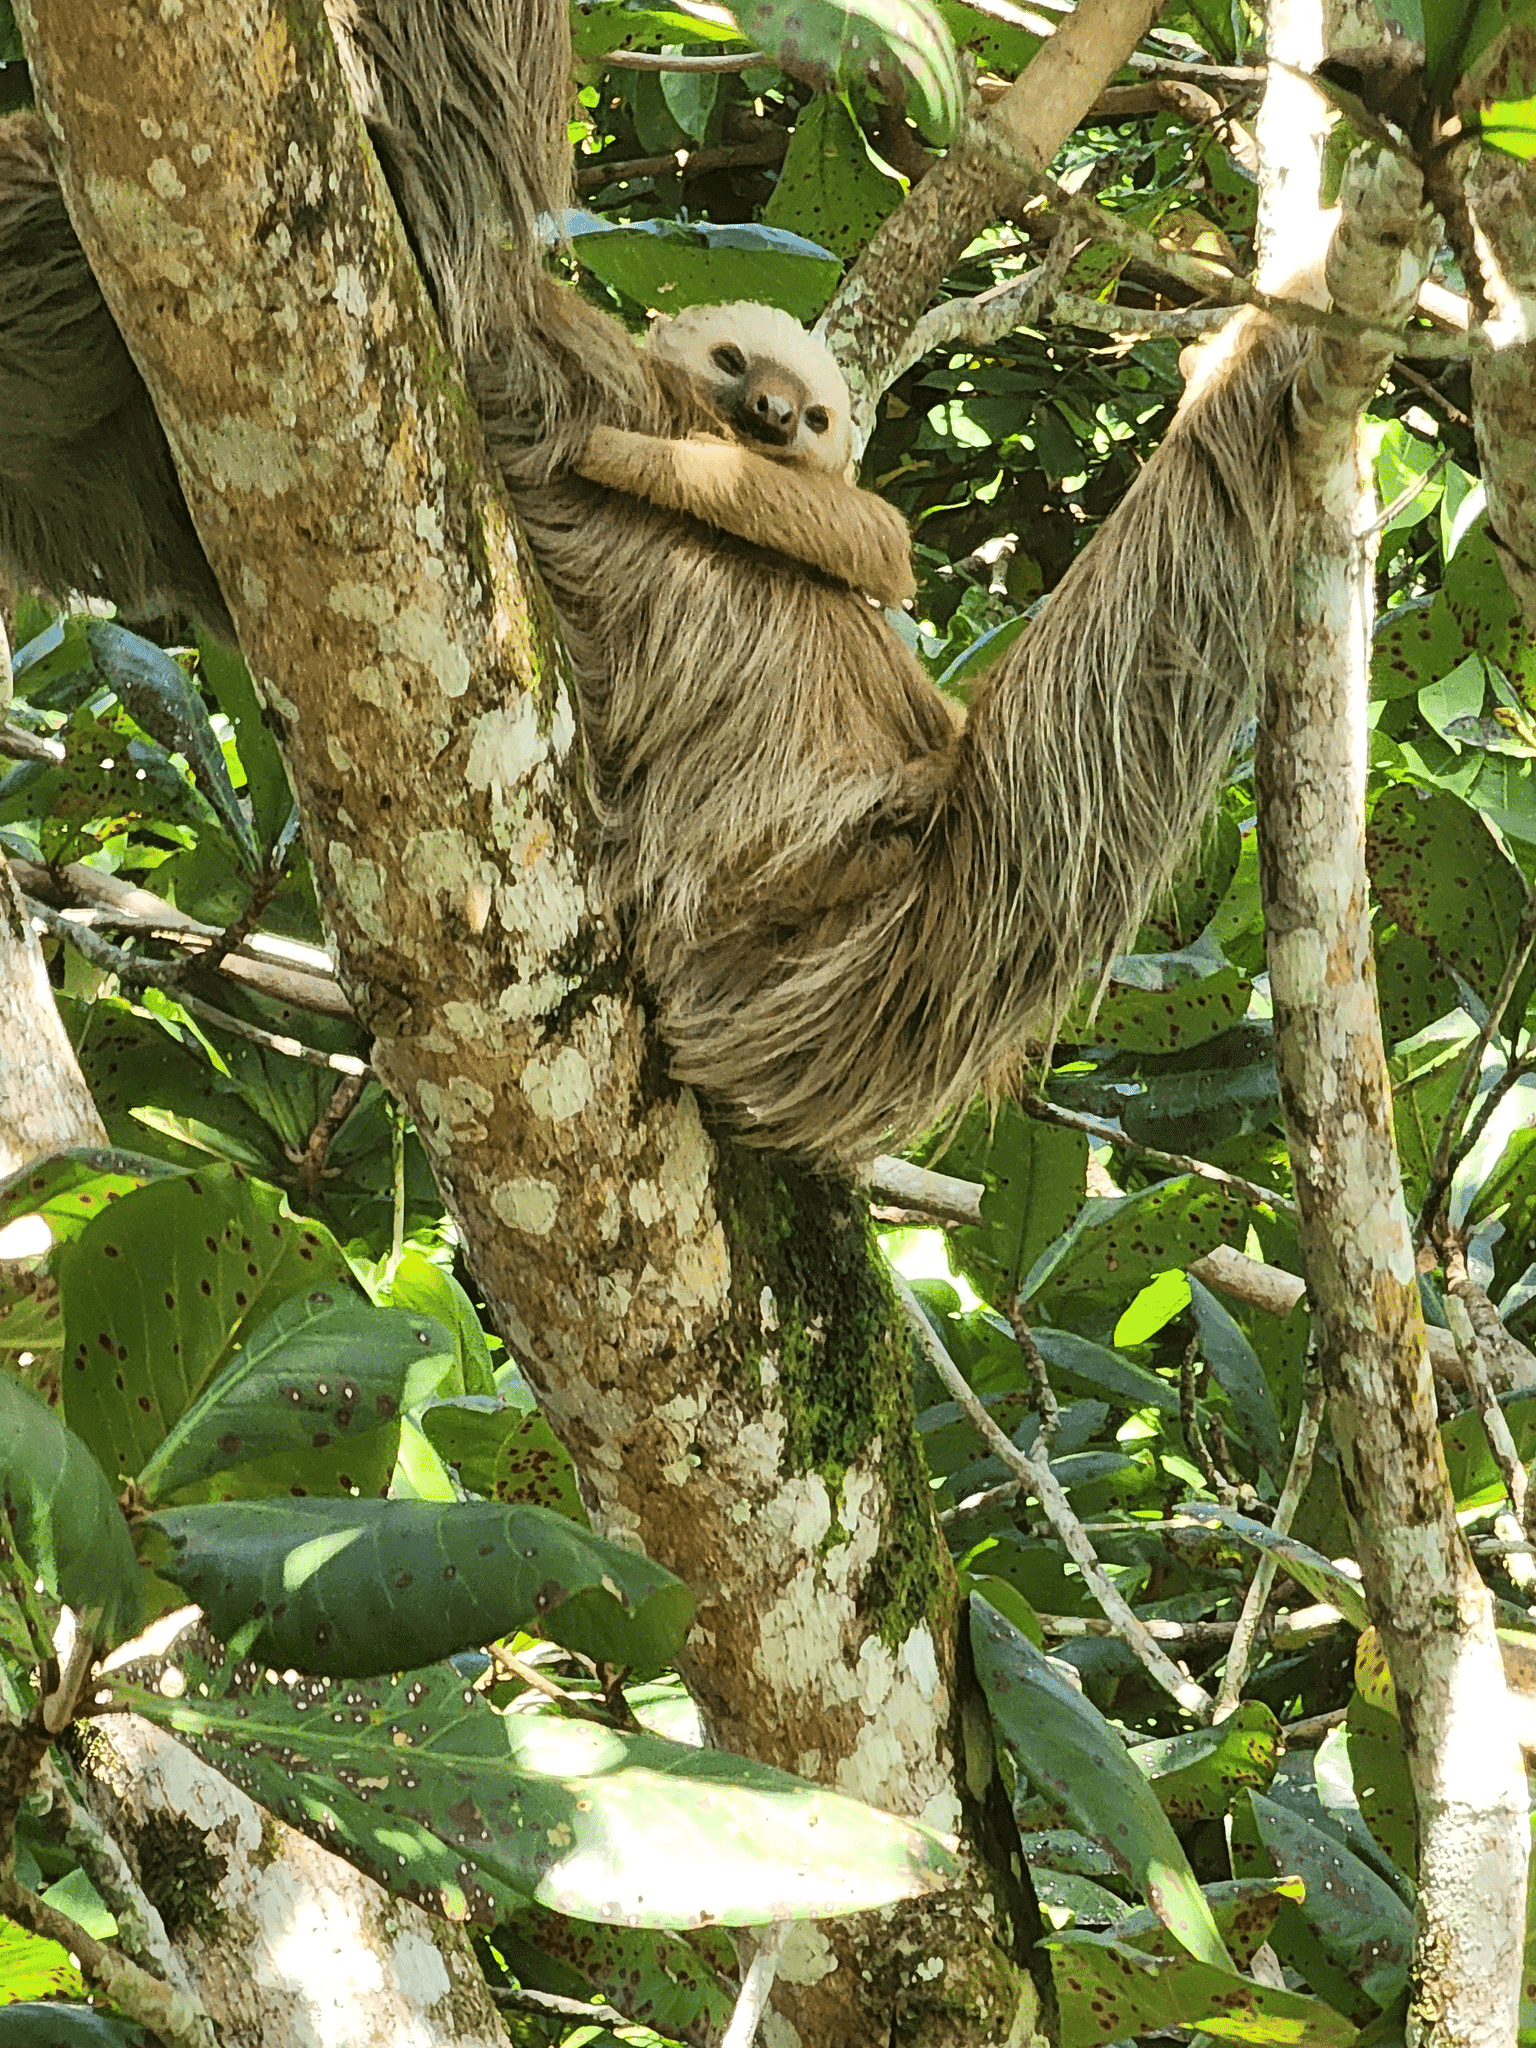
{"points": [[775, 415]]}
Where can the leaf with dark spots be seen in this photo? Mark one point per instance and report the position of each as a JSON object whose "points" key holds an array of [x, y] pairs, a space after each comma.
{"points": [[323, 1357], [401, 1583], [473, 1813], [114, 1278], [1076, 1759]]}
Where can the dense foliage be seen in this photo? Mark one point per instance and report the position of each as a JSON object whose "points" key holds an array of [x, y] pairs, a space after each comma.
{"points": [[248, 1321]]}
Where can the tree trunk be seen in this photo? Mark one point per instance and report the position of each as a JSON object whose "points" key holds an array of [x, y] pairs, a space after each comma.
{"points": [[1425, 1596], [708, 1331]]}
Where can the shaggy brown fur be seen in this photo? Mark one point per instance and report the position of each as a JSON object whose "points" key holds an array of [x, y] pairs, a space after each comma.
{"points": [[852, 915]]}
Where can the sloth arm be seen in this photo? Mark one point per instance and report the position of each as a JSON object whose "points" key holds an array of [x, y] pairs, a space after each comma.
{"points": [[805, 513]]}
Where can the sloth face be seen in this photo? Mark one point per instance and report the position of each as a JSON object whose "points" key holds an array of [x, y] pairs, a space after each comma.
{"points": [[772, 383]]}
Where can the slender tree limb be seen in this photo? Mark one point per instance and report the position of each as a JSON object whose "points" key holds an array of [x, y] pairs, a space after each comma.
{"points": [[1178, 1162], [940, 1195], [135, 972], [1250, 1621], [685, 163], [1424, 1593], [1035, 1475], [905, 262], [683, 60], [168, 2013], [752, 1999]]}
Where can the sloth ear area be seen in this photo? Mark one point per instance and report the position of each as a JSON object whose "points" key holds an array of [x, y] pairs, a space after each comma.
{"points": [[807, 514]]}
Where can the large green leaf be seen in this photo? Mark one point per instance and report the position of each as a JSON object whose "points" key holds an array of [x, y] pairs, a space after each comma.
{"points": [[1125, 1241], [504, 1452], [1034, 1176], [1442, 876], [1235, 1365], [59, 1524], [1076, 1759], [661, 1980], [160, 696], [69, 1188], [160, 1290], [325, 1368], [1170, 1009], [829, 188], [426, 1788], [1110, 1991], [1197, 1775], [31, 1966], [901, 46], [349, 1588], [1365, 1929], [669, 265], [67, 2026]]}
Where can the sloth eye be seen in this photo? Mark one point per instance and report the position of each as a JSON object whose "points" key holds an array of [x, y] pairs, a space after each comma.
{"points": [[729, 359], [817, 418]]}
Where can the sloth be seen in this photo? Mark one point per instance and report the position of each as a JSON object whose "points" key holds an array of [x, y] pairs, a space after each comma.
{"points": [[854, 911]]}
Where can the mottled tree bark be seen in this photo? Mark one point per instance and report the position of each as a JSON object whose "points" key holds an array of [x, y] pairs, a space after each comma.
{"points": [[708, 1330], [1425, 1596]]}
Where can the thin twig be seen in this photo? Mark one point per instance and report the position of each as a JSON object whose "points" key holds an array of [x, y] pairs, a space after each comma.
{"points": [[1250, 1620], [1036, 1475], [1179, 1162], [685, 163], [1500, 1440], [943, 1196], [1039, 1379], [1212, 280], [1221, 1483], [523, 1998], [310, 1163], [136, 973], [177, 2019], [1184, 323], [678, 60], [17, 744], [752, 1999], [1422, 383]]}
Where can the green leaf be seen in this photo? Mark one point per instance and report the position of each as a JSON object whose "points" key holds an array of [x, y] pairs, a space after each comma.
{"points": [[59, 1521], [1187, 1010], [473, 1813], [1323, 1579], [324, 1368], [349, 1588], [67, 2026], [1078, 1761], [159, 695], [418, 1283], [900, 46], [1412, 988], [1003, 47], [1415, 647], [504, 1452], [668, 265], [1441, 875], [1365, 1929], [830, 189], [1124, 1241], [1110, 1373], [598, 26], [69, 1188], [1198, 1774], [160, 1290], [1366, 1760], [1034, 1176], [1110, 1991], [1235, 1364], [31, 1966], [663, 1981], [266, 780], [1509, 126]]}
